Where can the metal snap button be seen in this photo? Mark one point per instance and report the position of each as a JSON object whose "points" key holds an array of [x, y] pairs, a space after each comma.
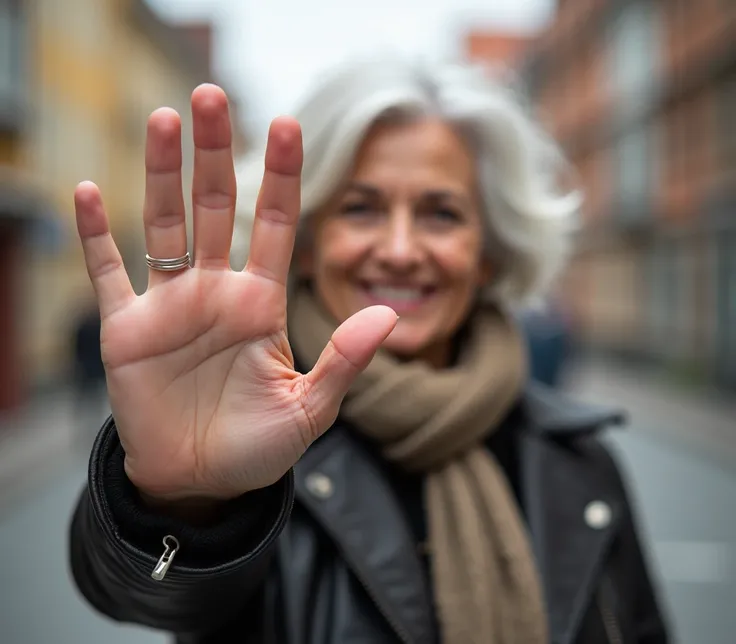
{"points": [[319, 485], [598, 515]]}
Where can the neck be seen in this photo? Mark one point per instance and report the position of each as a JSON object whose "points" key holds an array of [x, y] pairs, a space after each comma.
{"points": [[437, 355]]}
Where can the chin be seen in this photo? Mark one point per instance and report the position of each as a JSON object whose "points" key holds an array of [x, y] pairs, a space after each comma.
{"points": [[407, 343]]}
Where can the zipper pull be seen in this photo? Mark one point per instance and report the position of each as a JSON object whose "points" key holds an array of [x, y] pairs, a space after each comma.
{"points": [[164, 563]]}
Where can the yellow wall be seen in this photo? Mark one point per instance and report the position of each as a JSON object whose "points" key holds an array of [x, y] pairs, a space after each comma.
{"points": [[146, 82], [95, 80]]}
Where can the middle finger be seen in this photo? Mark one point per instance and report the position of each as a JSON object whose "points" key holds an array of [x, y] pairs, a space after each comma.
{"points": [[213, 182]]}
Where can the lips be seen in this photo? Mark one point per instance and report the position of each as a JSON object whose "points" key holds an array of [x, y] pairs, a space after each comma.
{"points": [[399, 298], [398, 294]]}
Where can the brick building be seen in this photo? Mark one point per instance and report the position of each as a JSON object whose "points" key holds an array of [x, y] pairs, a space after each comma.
{"points": [[493, 48], [642, 96]]}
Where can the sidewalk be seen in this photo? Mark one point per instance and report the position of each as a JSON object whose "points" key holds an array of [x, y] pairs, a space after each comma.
{"points": [[673, 415], [36, 442]]}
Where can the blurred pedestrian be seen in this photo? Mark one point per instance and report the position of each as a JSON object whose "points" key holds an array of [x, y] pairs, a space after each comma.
{"points": [[549, 342], [88, 382], [450, 501]]}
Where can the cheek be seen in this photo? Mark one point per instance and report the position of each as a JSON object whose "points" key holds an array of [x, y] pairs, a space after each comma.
{"points": [[337, 255], [462, 264]]}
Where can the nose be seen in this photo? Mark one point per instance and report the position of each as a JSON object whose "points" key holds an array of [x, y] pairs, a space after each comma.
{"points": [[399, 247]]}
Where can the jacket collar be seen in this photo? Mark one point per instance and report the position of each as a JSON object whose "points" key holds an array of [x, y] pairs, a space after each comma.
{"points": [[550, 412], [569, 552], [354, 509]]}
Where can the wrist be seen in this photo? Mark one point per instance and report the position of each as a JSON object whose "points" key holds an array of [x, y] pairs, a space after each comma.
{"points": [[188, 505], [197, 510]]}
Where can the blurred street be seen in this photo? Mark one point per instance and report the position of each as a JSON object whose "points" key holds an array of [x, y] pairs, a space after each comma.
{"points": [[680, 456], [42, 470], [640, 96], [686, 495]]}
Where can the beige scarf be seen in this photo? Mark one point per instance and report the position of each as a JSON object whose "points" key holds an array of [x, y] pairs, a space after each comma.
{"points": [[485, 582]]}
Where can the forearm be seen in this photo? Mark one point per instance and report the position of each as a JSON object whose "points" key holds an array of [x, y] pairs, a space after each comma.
{"points": [[116, 541]]}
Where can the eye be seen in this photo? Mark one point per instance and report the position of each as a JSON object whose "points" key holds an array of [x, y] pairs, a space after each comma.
{"points": [[447, 214], [442, 216], [360, 211], [357, 207]]}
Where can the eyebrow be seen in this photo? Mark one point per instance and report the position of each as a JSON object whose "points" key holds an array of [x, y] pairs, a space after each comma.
{"points": [[364, 188], [435, 195]]}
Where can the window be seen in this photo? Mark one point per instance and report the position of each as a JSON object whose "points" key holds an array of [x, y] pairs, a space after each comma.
{"points": [[726, 127], [726, 308], [634, 53], [672, 299], [11, 54], [662, 295], [45, 137], [633, 157], [637, 154], [634, 50]]}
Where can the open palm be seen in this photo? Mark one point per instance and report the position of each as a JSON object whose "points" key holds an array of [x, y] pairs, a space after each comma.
{"points": [[200, 374]]}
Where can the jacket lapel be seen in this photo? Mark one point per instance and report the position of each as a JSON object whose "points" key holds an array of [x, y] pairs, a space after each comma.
{"points": [[559, 486], [356, 515], [572, 513]]}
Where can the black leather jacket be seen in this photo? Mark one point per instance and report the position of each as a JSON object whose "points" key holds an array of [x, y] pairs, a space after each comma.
{"points": [[326, 556]]}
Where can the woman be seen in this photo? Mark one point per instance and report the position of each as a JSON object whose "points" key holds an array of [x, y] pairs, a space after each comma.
{"points": [[448, 502]]}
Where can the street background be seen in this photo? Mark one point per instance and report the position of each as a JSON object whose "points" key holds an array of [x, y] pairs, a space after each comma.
{"points": [[641, 95]]}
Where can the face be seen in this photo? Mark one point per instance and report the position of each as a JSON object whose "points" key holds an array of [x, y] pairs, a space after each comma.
{"points": [[404, 231]]}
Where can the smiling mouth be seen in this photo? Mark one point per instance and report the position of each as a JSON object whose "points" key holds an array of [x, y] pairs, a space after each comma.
{"points": [[399, 298]]}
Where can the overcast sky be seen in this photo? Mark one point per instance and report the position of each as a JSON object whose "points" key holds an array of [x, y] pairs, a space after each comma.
{"points": [[269, 51]]}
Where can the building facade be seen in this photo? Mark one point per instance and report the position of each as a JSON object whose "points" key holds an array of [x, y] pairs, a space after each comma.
{"points": [[77, 81], [642, 96], [496, 48], [23, 209]]}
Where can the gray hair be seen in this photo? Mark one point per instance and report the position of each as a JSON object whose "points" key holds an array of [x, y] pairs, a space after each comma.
{"points": [[528, 218]]}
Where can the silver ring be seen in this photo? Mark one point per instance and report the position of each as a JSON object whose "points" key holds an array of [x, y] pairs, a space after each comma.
{"points": [[175, 264]]}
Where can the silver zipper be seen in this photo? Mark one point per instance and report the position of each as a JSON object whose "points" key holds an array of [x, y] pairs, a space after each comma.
{"points": [[171, 545], [610, 623]]}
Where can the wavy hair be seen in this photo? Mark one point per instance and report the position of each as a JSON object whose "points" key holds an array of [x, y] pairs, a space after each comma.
{"points": [[529, 219]]}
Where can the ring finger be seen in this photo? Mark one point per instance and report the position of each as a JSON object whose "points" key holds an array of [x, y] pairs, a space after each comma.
{"points": [[163, 210]]}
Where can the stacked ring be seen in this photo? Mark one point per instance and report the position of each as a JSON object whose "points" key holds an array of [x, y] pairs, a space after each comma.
{"points": [[175, 264]]}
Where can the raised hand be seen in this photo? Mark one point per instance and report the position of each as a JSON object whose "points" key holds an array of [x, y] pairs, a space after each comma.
{"points": [[199, 370]]}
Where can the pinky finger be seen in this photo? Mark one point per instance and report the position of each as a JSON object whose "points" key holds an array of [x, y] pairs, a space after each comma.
{"points": [[101, 255]]}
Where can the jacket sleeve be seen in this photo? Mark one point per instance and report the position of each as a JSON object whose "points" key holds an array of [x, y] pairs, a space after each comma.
{"points": [[217, 572]]}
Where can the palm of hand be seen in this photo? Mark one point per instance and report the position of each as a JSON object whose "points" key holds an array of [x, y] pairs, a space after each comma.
{"points": [[199, 370], [226, 340]]}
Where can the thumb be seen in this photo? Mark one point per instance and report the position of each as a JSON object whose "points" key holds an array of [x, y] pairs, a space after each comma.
{"points": [[349, 351]]}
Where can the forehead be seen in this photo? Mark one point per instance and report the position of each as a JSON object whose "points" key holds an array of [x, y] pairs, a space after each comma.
{"points": [[425, 153]]}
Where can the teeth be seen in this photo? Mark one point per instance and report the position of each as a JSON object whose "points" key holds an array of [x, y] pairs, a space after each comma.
{"points": [[401, 294]]}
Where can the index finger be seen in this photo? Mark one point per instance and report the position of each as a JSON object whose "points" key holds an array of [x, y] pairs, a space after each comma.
{"points": [[279, 202]]}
